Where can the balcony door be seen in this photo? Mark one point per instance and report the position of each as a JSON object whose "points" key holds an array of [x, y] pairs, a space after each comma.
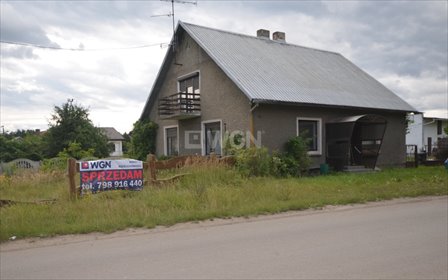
{"points": [[189, 92]]}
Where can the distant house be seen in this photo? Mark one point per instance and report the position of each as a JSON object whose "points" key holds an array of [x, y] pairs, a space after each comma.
{"points": [[216, 84], [426, 131], [116, 139]]}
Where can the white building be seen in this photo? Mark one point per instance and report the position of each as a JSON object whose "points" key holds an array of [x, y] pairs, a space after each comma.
{"points": [[425, 131], [114, 137]]}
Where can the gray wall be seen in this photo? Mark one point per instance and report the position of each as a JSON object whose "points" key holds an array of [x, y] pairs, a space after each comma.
{"points": [[220, 98], [277, 124]]}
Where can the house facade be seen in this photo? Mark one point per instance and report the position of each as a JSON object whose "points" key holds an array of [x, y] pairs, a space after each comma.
{"points": [[425, 131], [217, 88], [115, 139]]}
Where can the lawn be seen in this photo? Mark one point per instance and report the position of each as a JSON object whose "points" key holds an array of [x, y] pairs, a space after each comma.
{"points": [[207, 192]]}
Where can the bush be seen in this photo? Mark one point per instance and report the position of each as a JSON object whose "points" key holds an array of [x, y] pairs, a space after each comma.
{"points": [[254, 161], [54, 164], [294, 162], [74, 150], [258, 162]]}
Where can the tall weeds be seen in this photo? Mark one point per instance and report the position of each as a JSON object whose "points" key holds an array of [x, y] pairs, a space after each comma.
{"points": [[210, 190]]}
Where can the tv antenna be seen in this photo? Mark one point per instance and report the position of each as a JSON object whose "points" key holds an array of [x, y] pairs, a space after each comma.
{"points": [[171, 14]]}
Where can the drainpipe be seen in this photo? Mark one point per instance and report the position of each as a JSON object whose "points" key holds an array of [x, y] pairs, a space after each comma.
{"points": [[251, 121]]}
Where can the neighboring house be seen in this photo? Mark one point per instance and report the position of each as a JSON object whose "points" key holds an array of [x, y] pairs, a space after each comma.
{"points": [[116, 139], [425, 131], [215, 83]]}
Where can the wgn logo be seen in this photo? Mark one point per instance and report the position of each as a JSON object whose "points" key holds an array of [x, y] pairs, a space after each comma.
{"points": [[102, 164]]}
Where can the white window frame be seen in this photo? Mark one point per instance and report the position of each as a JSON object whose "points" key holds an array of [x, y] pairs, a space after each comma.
{"points": [[165, 146], [203, 123], [319, 134]]}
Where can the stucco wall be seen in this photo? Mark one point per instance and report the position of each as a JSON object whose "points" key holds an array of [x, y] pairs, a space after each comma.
{"points": [[277, 124], [220, 98]]}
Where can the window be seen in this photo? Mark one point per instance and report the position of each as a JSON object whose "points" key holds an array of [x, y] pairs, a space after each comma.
{"points": [[190, 84], [439, 127], [310, 129], [171, 141]]}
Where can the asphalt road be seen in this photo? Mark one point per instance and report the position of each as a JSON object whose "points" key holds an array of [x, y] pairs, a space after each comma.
{"points": [[405, 239]]}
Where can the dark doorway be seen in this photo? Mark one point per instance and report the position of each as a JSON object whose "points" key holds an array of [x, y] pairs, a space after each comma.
{"points": [[355, 141]]}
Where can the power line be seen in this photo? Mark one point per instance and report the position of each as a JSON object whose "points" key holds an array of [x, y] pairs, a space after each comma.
{"points": [[78, 49]]}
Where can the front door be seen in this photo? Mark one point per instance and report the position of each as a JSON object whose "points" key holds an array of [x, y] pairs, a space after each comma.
{"points": [[212, 134]]}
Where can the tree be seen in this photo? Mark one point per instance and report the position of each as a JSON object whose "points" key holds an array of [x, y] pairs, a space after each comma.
{"points": [[143, 140], [21, 144], [69, 124]]}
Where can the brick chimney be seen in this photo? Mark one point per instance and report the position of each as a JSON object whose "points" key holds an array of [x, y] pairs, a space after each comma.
{"points": [[279, 36], [263, 33]]}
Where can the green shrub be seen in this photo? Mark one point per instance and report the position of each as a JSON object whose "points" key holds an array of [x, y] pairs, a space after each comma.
{"points": [[74, 150], [54, 164], [297, 150], [143, 140], [254, 161], [294, 162], [284, 166]]}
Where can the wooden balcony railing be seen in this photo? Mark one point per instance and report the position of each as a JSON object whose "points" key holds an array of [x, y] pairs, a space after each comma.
{"points": [[180, 106]]}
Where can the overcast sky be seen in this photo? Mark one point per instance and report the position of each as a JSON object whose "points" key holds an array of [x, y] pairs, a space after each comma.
{"points": [[402, 44]]}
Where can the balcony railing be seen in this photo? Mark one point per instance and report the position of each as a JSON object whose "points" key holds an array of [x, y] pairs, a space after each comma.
{"points": [[180, 106]]}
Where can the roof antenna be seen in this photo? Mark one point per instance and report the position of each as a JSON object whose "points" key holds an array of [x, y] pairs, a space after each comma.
{"points": [[171, 14]]}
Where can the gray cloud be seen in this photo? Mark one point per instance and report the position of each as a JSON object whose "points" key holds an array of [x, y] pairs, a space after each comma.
{"points": [[19, 52], [21, 27]]}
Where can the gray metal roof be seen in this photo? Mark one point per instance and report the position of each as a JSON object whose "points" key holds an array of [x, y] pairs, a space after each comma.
{"points": [[112, 133], [271, 71]]}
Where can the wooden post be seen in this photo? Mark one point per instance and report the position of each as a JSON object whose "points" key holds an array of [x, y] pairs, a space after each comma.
{"points": [[151, 159], [71, 177]]}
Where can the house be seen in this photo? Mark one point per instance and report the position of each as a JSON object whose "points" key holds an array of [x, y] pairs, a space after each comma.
{"points": [[115, 139], [216, 86], [425, 131]]}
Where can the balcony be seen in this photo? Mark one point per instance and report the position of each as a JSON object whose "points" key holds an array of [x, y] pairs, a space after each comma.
{"points": [[180, 106]]}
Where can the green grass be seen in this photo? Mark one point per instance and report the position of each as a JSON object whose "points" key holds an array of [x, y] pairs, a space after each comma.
{"points": [[208, 192]]}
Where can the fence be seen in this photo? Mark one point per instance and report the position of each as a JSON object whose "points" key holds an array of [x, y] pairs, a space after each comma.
{"points": [[20, 164], [151, 166]]}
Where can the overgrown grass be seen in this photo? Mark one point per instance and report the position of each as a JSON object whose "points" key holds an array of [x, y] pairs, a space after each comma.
{"points": [[210, 191]]}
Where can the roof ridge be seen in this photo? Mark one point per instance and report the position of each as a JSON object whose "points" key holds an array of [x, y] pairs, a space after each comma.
{"points": [[258, 38]]}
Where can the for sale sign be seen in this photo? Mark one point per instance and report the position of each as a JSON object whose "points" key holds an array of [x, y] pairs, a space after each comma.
{"points": [[105, 175]]}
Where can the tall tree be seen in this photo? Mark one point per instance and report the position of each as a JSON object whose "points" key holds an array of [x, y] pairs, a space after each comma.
{"points": [[143, 139], [70, 123]]}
